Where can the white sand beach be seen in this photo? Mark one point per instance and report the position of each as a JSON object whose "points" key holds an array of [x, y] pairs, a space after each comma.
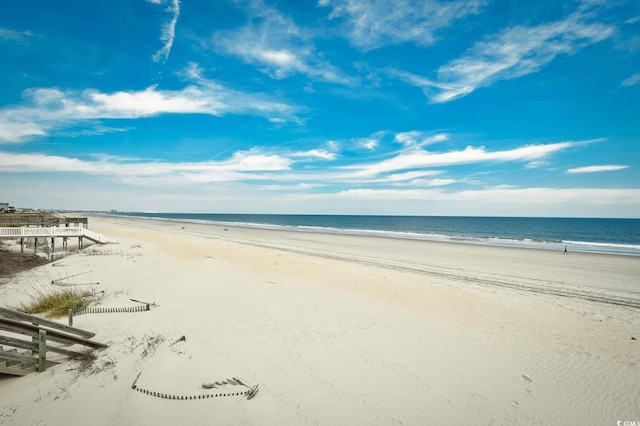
{"points": [[337, 330]]}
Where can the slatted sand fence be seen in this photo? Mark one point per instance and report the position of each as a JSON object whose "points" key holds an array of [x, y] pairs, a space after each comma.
{"points": [[19, 356], [110, 310], [140, 307]]}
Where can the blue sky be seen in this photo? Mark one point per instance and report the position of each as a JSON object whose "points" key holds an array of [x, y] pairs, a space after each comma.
{"points": [[456, 107]]}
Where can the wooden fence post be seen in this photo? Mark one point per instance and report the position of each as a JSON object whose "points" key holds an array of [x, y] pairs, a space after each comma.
{"points": [[70, 317], [42, 351]]}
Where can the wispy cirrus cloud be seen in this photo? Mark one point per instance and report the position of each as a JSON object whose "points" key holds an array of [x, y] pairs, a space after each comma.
{"points": [[315, 154], [168, 33], [46, 109], [631, 80], [409, 140], [256, 165], [410, 176], [20, 37], [18, 130], [374, 23], [512, 53], [633, 20], [233, 169], [367, 143], [420, 158], [416, 139], [290, 172], [597, 169], [277, 45]]}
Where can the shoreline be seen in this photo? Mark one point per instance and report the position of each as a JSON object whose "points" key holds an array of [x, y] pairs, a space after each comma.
{"points": [[409, 254], [338, 330], [526, 243]]}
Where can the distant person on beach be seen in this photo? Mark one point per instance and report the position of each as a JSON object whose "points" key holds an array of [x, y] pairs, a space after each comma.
{"points": [[565, 250]]}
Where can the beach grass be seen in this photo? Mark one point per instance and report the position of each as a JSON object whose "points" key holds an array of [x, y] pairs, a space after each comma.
{"points": [[56, 303]]}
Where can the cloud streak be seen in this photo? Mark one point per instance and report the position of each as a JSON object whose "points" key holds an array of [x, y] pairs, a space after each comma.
{"points": [[46, 109], [632, 80], [168, 31], [418, 168], [597, 169], [512, 53], [417, 159], [233, 169], [278, 46], [20, 37]]}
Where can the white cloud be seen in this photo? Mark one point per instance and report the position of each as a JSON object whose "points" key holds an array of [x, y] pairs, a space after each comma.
{"points": [[514, 52], [15, 36], [410, 176], [411, 140], [597, 169], [333, 146], [168, 31], [247, 161], [232, 196], [536, 164], [375, 23], [276, 44], [417, 138], [633, 20], [286, 189], [318, 154], [244, 165], [428, 182], [46, 109], [19, 131], [367, 143], [421, 159], [439, 182], [132, 170], [241, 177], [632, 80], [143, 103]]}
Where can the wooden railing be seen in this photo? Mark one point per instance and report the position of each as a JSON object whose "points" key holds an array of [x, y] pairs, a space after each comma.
{"points": [[94, 236], [42, 332], [53, 232], [36, 219]]}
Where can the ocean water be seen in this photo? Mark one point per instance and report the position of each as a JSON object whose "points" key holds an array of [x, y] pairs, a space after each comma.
{"points": [[619, 236]]}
